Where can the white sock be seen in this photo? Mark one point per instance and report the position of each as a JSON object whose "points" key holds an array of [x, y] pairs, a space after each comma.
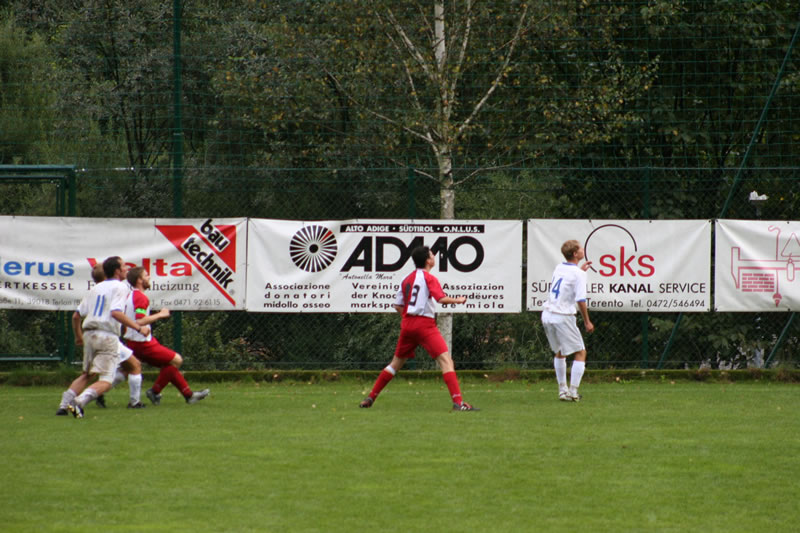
{"points": [[135, 387], [119, 377], [560, 365], [66, 397], [576, 374], [391, 370], [86, 396]]}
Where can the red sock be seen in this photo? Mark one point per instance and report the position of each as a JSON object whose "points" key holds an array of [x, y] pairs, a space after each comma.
{"points": [[162, 380], [451, 380], [383, 379], [170, 374], [177, 379]]}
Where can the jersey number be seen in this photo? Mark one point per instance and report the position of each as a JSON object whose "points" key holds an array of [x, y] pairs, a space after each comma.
{"points": [[414, 293], [557, 287], [99, 305]]}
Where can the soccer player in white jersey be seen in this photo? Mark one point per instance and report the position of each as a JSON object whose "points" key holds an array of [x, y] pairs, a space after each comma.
{"points": [[568, 291], [103, 312], [129, 366], [416, 301]]}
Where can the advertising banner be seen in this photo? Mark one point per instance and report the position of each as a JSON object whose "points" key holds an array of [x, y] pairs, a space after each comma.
{"points": [[356, 266], [755, 268], [636, 265], [46, 262]]}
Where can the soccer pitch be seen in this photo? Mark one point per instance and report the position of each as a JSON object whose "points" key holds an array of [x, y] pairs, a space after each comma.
{"points": [[638, 456]]}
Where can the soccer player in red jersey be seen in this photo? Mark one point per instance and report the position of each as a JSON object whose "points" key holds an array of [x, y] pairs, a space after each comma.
{"points": [[416, 301], [147, 349]]}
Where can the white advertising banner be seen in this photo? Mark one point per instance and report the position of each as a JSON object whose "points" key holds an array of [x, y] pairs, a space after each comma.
{"points": [[46, 262], [636, 265], [356, 266], [755, 268]]}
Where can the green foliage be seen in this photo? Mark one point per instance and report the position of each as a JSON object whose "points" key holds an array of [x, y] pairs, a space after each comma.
{"points": [[27, 333], [26, 103], [322, 110]]}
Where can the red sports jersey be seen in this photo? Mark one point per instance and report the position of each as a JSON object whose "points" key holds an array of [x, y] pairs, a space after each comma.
{"points": [[138, 306], [418, 294]]}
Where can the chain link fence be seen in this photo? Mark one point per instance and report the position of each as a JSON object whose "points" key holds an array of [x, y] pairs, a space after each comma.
{"points": [[322, 111]]}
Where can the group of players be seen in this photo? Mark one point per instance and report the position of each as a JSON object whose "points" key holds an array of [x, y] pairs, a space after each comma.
{"points": [[120, 300], [416, 302]]}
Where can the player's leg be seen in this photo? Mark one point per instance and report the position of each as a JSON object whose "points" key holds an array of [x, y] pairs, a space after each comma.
{"points": [[103, 364], [75, 388], [133, 368], [434, 344], [404, 350], [448, 368], [154, 353], [576, 374], [174, 376], [559, 360], [383, 379]]}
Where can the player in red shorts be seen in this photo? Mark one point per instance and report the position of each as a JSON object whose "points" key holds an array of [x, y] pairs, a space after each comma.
{"points": [[148, 349], [416, 301]]}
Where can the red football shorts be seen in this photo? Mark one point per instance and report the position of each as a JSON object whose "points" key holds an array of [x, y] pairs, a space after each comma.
{"points": [[419, 331], [152, 352]]}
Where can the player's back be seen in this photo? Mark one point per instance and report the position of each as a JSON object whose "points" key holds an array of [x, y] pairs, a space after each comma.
{"points": [[417, 294], [105, 297], [567, 287]]}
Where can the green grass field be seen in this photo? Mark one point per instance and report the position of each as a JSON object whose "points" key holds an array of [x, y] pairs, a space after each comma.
{"points": [[281, 457]]}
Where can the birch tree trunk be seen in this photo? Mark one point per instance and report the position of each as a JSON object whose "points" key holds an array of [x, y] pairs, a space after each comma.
{"points": [[443, 151], [434, 68]]}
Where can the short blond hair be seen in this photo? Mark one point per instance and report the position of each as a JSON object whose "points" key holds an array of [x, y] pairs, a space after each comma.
{"points": [[569, 248], [97, 273]]}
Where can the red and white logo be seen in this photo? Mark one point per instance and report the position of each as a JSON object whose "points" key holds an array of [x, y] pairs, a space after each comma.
{"points": [[614, 252], [211, 249]]}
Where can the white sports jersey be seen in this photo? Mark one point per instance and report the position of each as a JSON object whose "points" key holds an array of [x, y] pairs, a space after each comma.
{"points": [[567, 288], [96, 307]]}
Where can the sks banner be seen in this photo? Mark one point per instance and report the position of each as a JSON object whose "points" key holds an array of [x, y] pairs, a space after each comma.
{"points": [[356, 266], [46, 262], [755, 268], [637, 265]]}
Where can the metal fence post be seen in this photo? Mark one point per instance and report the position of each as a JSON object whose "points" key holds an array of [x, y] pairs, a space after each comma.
{"points": [[645, 319], [177, 149]]}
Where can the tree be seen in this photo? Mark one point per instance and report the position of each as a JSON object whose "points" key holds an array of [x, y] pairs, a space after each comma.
{"points": [[26, 99], [433, 48]]}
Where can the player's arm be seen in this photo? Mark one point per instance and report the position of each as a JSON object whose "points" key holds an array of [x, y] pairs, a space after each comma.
{"points": [[398, 308], [77, 328], [436, 292], [584, 309], [146, 320], [140, 306], [446, 300], [128, 322]]}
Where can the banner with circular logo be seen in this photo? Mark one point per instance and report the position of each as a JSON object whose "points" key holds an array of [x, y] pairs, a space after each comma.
{"points": [[636, 265], [356, 266]]}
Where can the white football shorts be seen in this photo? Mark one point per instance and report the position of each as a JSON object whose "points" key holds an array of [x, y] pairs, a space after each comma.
{"points": [[125, 353], [562, 333], [100, 354]]}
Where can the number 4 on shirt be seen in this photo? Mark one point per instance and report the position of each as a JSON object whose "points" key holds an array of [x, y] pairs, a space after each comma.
{"points": [[557, 287]]}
